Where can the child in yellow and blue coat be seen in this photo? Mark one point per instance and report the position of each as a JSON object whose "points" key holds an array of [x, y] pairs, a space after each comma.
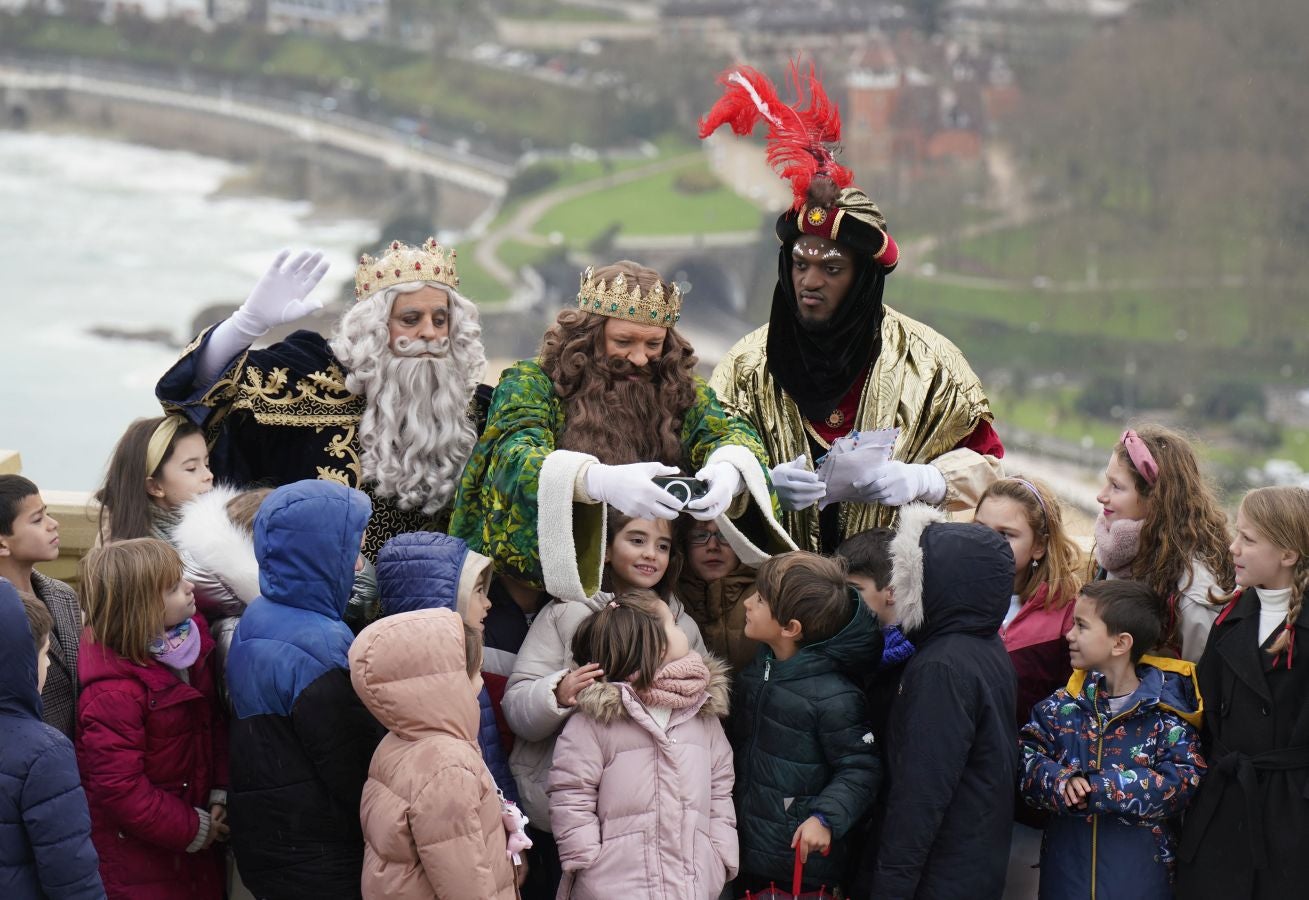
{"points": [[1115, 754]]}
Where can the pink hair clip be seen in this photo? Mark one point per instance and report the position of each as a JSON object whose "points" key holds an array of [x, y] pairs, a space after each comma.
{"points": [[613, 604], [1140, 455]]}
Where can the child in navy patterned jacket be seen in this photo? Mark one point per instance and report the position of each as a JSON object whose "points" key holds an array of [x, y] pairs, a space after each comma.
{"points": [[1115, 753]]}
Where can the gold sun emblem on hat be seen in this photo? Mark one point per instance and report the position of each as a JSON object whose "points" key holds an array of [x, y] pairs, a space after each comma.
{"points": [[816, 216]]}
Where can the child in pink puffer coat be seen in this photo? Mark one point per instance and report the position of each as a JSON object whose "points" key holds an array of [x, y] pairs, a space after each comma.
{"points": [[434, 824], [641, 786]]}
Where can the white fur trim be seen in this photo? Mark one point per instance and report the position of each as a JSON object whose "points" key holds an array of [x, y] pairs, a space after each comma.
{"points": [[907, 562], [216, 544], [560, 565], [752, 476]]}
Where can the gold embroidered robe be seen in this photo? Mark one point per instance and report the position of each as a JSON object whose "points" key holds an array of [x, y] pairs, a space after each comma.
{"points": [[282, 413], [920, 382]]}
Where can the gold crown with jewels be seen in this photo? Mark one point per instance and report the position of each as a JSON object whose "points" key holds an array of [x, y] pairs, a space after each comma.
{"points": [[622, 299], [403, 264]]}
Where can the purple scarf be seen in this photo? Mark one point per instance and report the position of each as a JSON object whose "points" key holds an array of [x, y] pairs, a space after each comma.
{"points": [[178, 647]]}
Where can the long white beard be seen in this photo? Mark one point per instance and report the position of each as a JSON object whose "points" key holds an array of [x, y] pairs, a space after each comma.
{"points": [[415, 433]]}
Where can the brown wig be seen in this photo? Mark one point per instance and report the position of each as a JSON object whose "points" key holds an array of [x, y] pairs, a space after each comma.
{"points": [[472, 651], [39, 620], [122, 586], [124, 504], [1281, 515], [810, 589], [626, 638], [616, 522], [1183, 520], [609, 416], [242, 508], [1059, 570]]}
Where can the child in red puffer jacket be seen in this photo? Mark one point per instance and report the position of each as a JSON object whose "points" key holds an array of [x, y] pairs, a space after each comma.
{"points": [[151, 741]]}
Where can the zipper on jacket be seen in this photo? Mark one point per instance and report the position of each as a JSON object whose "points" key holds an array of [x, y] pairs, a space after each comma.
{"points": [[758, 705], [1099, 762], [1095, 820]]}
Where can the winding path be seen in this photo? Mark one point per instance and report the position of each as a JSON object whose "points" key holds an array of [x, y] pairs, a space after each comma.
{"points": [[518, 227]]}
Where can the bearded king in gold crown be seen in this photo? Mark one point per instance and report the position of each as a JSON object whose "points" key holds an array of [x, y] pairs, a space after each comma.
{"points": [[611, 402], [391, 405], [832, 358]]}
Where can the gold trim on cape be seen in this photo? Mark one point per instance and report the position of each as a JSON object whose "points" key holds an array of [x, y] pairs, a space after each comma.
{"points": [[920, 382]]}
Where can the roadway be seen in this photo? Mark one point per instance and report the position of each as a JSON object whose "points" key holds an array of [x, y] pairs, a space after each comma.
{"points": [[391, 147]]}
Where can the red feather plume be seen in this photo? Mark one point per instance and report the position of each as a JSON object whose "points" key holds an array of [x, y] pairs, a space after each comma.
{"points": [[798, 134]]}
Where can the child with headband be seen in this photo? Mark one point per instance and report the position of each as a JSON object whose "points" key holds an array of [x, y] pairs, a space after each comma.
{"points": [[1046, 577], [1161, 524], [157, 465]]}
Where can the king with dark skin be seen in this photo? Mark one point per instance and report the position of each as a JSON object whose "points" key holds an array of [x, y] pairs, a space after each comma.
{"points": [[833, 358]]}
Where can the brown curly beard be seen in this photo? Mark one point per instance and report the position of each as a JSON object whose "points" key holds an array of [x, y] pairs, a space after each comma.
{"points": [[608, 415]]}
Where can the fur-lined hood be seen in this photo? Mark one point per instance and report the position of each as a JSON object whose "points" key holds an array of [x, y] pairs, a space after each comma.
{"points": [[603, 700], [948, 576]]}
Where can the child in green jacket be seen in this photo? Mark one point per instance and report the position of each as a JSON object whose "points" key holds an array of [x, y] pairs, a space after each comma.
{"points": [[807, 769]]}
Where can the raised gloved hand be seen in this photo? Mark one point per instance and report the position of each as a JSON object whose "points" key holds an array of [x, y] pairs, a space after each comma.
{"points": [[724, 483], [282, 294], [895, 483], [796, 486], [629, 490]]}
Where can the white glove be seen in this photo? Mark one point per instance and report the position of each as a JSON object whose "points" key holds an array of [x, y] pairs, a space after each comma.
{"points": [[629, 489], [796, 486], [724, 483], [895, 483], [282, 294]]}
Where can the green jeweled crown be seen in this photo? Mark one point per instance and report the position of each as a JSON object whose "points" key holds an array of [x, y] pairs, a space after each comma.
{"points": [[622, 299]]}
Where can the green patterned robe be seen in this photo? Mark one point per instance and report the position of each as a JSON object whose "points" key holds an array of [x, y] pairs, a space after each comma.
{"points": [[496, 506]]}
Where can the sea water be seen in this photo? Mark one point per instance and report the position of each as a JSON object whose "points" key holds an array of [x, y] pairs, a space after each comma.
{"points": [[98, 233]]}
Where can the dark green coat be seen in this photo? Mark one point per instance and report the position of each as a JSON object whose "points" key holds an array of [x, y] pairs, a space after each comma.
{"points": [[804, 746]]}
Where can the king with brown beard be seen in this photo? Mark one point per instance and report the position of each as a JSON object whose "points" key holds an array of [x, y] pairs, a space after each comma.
{"points": [[611, 402], [390, 405]]}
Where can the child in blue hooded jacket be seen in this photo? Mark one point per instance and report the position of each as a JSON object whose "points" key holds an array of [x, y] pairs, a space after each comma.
{"points": [[1115, 754], [301, 738], [45, 828], [430, 570]]}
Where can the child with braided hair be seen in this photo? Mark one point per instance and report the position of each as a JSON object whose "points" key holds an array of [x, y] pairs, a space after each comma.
{"points": [[1245, 833]]}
